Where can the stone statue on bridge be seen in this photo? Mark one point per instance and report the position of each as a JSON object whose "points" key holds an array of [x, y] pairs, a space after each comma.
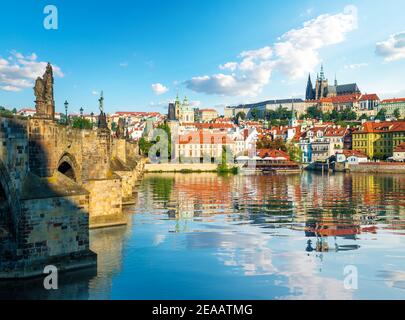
{"points": [[102, 118], [45, 103], [121, 129]]}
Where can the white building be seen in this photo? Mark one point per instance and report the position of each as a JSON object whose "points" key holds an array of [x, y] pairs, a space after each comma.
{"points": [[351, 157], [27, 112]]}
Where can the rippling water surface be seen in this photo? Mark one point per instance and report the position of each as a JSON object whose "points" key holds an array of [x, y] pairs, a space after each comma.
{"points": [[204, 236]]}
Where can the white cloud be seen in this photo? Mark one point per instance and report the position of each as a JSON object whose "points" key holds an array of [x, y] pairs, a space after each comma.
{"points": [[297, 50], [124, 64], [95, 93], [19, 72], [393, 48], [295, 54], [355, 66], [159, 88]]}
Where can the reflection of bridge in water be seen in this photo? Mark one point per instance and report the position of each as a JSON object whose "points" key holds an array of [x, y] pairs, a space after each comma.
{"points": [[55, 183]]}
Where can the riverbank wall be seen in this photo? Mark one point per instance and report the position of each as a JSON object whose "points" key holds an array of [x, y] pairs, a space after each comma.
{"points": [[181, 167], [377, 167]]}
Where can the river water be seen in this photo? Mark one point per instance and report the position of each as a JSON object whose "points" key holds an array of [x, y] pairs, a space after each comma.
{"points": [[293, 236]]}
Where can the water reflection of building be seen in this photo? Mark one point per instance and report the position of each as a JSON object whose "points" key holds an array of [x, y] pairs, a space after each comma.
{"points": [[339, 206]]}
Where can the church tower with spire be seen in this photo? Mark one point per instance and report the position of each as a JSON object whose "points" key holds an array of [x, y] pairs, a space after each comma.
{"points": [[321, 87], [324, 90], [310, 92]]}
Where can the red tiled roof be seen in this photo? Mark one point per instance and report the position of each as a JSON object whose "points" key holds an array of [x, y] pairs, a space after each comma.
{"points": [[204, 137], [346, 98], [264, 153], [208, 110], [325, 100], [214, 125], [371, 96], [400, 148], [393, 100], [298, 134], [382, 127], [335, 132], [139, 114], [356, 153]]}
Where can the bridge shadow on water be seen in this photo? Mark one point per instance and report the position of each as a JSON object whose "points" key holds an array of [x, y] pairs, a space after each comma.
{"points": [[40, 224]]}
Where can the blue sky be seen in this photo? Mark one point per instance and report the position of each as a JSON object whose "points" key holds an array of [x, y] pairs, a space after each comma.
{"points": [[216, 52]]}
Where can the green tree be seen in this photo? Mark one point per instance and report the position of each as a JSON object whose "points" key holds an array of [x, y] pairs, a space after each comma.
{"points": [[62, 119], [255, 114], [144, 146], [364, 117], [268, 143], [314, 113], [295, 152], [381, 115], [165, 127], [226, 156], [81, 123], [6, 113], [397, 113], [240, 116]]}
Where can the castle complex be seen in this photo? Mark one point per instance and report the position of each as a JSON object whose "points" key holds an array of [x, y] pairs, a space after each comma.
{"points": [[322, 88]]}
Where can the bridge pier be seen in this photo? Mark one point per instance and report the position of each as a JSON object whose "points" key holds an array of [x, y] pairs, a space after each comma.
{"points": [[105, 202]]}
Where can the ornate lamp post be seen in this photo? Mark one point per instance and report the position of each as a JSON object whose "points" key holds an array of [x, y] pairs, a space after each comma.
{"points": [[66, 111], [81, 116]]}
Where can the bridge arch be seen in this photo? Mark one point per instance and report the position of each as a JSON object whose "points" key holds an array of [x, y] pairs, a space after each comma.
{"points": [[68, 166]]}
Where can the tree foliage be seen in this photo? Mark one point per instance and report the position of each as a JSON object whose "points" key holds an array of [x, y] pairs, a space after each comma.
{"points": [[397, 113], [381, 115], [5, 113], [145, 144], [315, 112], [295, 152], [240, 116], [268, 143], [81, 123], [254, 113]]}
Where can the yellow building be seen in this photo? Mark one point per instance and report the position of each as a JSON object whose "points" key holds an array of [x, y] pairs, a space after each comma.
{"points": [[206, 115], [379, 139]]}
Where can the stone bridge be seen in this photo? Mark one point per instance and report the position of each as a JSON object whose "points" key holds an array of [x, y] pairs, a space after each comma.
{"points": [[56, 182]]}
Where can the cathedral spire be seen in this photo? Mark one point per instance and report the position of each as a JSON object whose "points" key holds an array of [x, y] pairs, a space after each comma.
{"points": [[322, 73], [309, 94]]}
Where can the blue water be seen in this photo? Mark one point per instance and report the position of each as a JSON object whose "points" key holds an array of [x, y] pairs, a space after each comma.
{"points": [[204, 236]]}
